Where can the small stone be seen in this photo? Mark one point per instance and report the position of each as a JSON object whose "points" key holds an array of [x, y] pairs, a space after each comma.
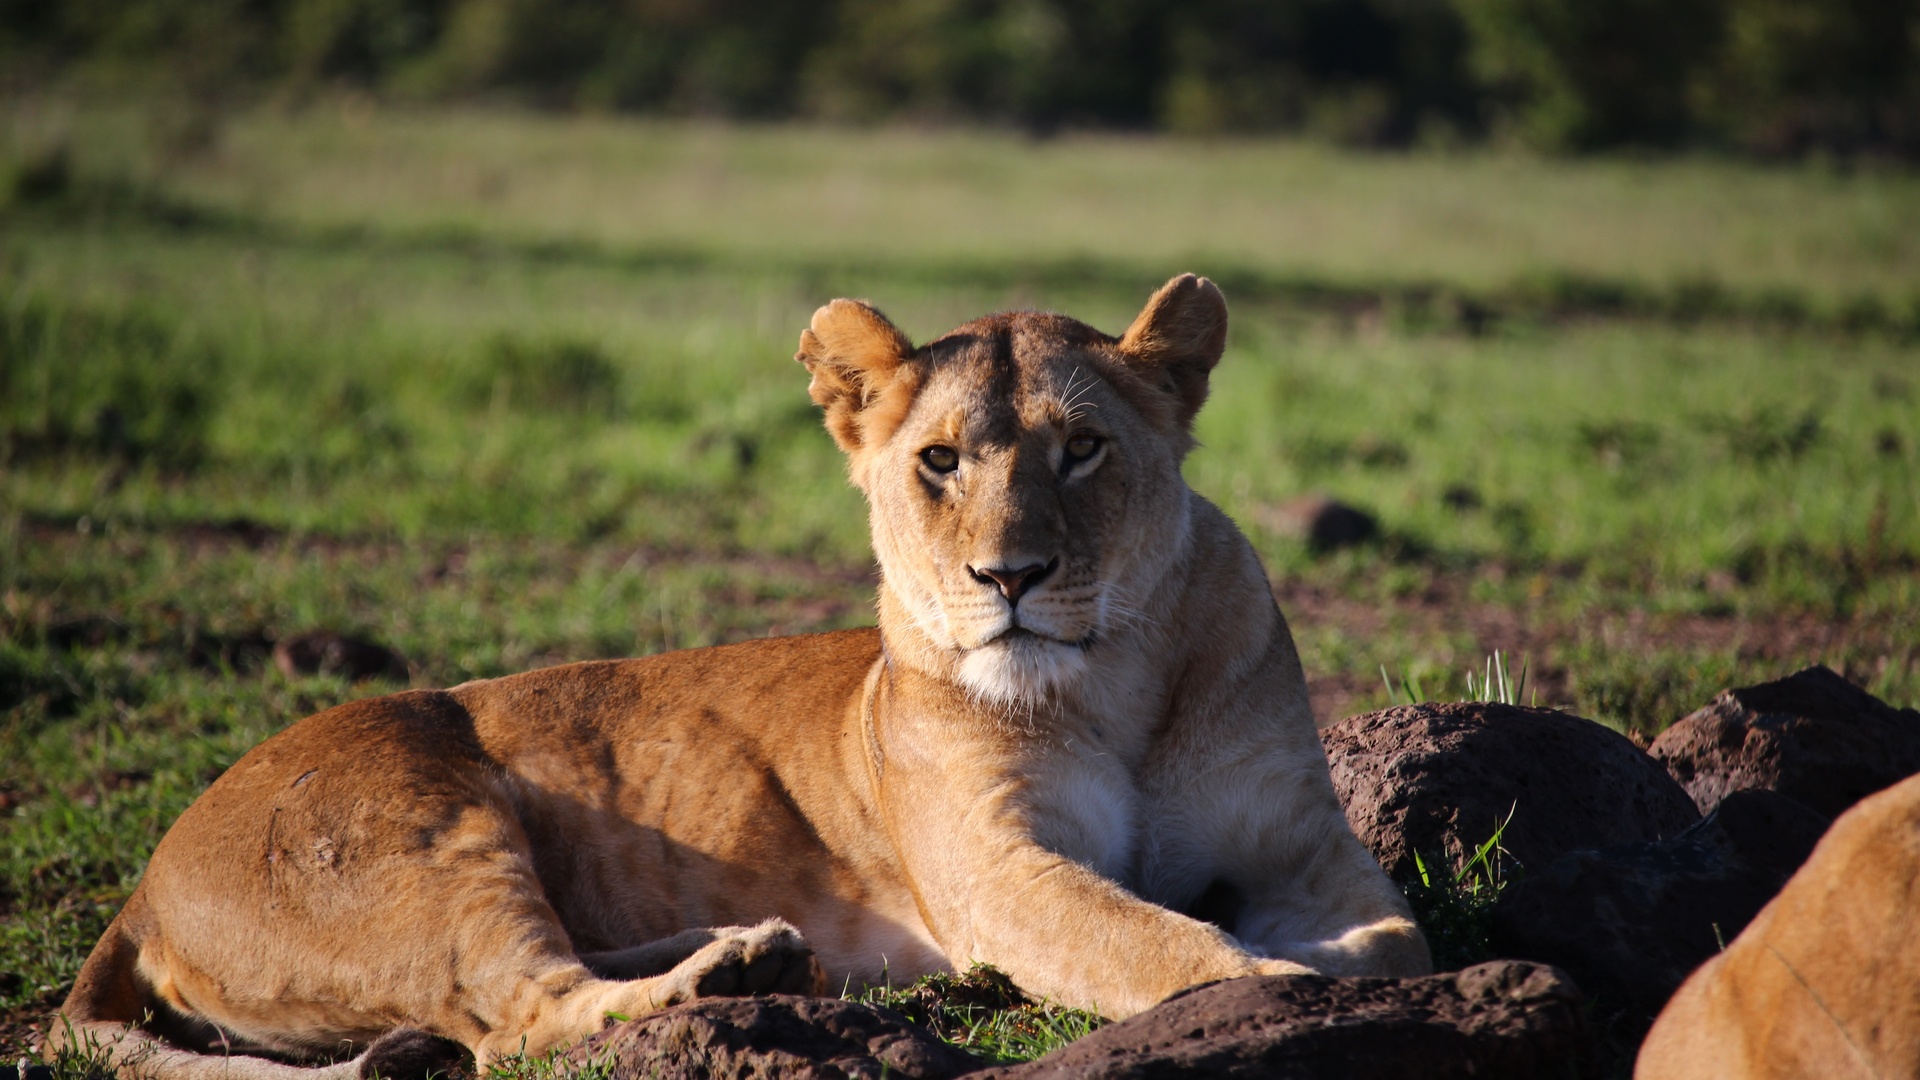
{"points": [[322, 652], [1321, 522]]}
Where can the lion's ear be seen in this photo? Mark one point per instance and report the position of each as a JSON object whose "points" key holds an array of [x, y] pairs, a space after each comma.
{"points": [[855, 357], [1176, 340]]}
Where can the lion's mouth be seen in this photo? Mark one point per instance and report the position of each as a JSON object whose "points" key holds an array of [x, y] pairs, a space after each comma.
{"points": [[1018, 636]]}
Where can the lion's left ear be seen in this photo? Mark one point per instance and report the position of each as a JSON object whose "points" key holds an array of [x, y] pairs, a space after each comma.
{"points": [[857, 360], [1176, 340]]}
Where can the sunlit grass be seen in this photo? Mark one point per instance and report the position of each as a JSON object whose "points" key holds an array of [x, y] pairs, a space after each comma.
{"points": [[1474, 220]]}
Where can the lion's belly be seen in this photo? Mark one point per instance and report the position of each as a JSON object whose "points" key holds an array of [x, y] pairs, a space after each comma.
{"points": [[711, 787], [683, 853]]}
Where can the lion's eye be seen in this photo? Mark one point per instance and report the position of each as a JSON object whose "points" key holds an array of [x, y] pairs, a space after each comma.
{"points": [[1081, 446], [941, 459]]}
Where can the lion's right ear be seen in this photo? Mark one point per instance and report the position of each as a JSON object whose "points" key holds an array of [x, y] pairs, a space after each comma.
{"points": [[857, 360]]}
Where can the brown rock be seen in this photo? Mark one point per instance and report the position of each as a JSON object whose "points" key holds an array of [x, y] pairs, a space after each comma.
{"points": [[1437, 778], [1812, 736], [777, 1036], [1629, 923], [322, 652], [1505, 1019]]}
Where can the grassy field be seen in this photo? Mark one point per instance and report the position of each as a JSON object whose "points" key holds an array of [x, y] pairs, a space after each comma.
{"points": [[498, 391]]}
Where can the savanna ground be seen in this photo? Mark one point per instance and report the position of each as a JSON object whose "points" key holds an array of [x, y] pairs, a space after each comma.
{"points": [[499, 391]]}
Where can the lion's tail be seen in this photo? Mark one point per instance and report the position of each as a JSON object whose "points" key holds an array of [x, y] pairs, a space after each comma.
{"points": [[101, 1023]]}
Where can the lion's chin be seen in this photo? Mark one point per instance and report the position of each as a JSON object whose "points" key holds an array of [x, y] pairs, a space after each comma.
{"points": [[1021, 669]]}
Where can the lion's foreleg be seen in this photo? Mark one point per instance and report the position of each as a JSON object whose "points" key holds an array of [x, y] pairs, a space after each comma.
{"points": [[1329, 906]]}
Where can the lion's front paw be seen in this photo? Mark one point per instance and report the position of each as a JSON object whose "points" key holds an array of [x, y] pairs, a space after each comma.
{"points": [[771, 958]]}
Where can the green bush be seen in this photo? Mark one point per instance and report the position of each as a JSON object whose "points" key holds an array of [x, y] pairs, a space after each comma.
{"points": [[1581, 75], [1776, 76]]}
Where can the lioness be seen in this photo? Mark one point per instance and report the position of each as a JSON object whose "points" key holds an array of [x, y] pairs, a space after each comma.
{"points": [[1825, 981], [1077, 747]]}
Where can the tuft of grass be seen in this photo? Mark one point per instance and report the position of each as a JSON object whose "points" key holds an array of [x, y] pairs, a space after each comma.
{"points": [[560, 1064], [84, 1058], [1455, 907], [1409, 692], [982, 1012], [1496, 684]]}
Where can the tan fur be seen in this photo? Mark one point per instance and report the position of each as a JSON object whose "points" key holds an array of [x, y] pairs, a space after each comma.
{"points": [[1044, 785], [1826, 979]]}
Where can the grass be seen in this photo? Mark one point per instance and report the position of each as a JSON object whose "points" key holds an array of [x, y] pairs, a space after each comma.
{"points": [[1454, 904], [498, 391], [991, 201], [982, 1012]]}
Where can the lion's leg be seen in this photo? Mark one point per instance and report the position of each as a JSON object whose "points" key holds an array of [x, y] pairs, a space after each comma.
{"points": [[1332, 909], [770, 958], [309, 906], [656, 957]]}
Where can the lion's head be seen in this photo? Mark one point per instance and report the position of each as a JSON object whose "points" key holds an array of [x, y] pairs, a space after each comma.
{"points": [[1023, 476]]}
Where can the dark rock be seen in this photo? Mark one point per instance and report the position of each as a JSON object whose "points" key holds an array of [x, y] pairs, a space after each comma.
{"points": [[242, 652], [322, 652], [31, 1072], [1324, 523], [1629, 923], [1812, 736], [1461, 497], [782, 1036], [1437, 779], [412, 1054], [1506, 1019]]}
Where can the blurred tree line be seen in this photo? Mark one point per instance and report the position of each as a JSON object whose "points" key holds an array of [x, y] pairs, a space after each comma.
{"points": [[1770, 76]]}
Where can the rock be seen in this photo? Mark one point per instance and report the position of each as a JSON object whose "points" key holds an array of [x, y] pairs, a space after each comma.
{"points": [[1437, 779], [1322, 522], [1505, 1019], [412, 1054], [802, 1038], [1629, 923], [322, 652], [1812, 736]]}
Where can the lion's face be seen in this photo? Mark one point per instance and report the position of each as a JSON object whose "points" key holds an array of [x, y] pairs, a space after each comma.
{"points": [[1023, 507], [1023, 476]]}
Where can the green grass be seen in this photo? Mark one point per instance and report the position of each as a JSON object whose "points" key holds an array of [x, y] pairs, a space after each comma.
{"points": [[498, 391], [1454, 904], [996, 201], [982, 1012]]}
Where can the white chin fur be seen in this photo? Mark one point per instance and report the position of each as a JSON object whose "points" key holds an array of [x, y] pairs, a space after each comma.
{"points": [[1021, 670]]}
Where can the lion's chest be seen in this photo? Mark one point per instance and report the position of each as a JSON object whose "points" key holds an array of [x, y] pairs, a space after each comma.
{"points": [[1090, 803]]}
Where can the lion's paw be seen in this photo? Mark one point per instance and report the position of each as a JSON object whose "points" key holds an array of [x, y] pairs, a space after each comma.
{"points": [[771, 958]]}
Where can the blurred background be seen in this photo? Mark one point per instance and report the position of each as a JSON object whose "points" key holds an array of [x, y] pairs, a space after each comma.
{"points": [[1773, 77], [352, 344]]}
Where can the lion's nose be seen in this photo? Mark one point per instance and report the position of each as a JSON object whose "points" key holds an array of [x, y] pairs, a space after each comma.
{"points": [[1014, 582]]}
